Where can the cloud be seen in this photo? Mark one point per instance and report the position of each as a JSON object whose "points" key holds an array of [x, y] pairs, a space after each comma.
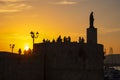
{"points": [[65, 2], [9, 6]]}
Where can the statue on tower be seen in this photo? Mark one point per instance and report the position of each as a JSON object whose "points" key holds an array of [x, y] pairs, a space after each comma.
{"points": [[91, 20]]}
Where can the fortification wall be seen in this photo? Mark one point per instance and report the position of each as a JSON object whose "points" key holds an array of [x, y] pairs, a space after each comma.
{"points": [[71, 61]]}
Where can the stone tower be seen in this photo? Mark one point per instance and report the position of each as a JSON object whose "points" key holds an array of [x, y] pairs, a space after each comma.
{"points": [[91, 31]]}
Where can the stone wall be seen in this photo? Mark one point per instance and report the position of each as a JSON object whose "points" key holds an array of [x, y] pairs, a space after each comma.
{"points": [[72, 61]]}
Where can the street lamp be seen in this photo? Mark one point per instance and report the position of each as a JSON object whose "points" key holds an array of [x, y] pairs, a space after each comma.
{"points": [[12, 46], [33, 35]]}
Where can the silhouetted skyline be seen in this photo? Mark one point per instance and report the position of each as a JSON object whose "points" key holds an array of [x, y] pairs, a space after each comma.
{"points": [[57, 17]]}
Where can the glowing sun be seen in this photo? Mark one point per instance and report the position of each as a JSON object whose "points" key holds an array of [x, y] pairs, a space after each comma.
{"points": [[26, 48]]}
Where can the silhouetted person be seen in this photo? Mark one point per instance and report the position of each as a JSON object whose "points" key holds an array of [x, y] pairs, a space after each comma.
{"points": [[20, 51], [83, 40], [59, 40], [69, 39], [25, 52], [53, 41], [64, 39], [43, 40], [80, 40], [29, 51], [91, 20]]}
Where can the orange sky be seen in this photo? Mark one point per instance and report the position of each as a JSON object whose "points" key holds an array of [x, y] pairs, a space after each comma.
{"points": [[52, 18]]}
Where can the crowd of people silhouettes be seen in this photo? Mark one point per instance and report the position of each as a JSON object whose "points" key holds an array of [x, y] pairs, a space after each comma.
{"points": [[64, 40]]}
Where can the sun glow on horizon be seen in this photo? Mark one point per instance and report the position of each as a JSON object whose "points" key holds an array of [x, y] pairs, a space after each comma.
{"points": [[26, 47]]}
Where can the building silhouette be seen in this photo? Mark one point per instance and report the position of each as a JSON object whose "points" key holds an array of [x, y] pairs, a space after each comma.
{"points": [[60, 59], [66, 60]]}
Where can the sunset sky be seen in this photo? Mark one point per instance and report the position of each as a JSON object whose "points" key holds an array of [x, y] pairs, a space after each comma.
{"points": [[52, 18]]}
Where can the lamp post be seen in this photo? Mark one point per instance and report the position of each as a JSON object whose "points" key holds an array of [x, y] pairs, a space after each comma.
{"points": [[12, 46], [33, 35]]}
